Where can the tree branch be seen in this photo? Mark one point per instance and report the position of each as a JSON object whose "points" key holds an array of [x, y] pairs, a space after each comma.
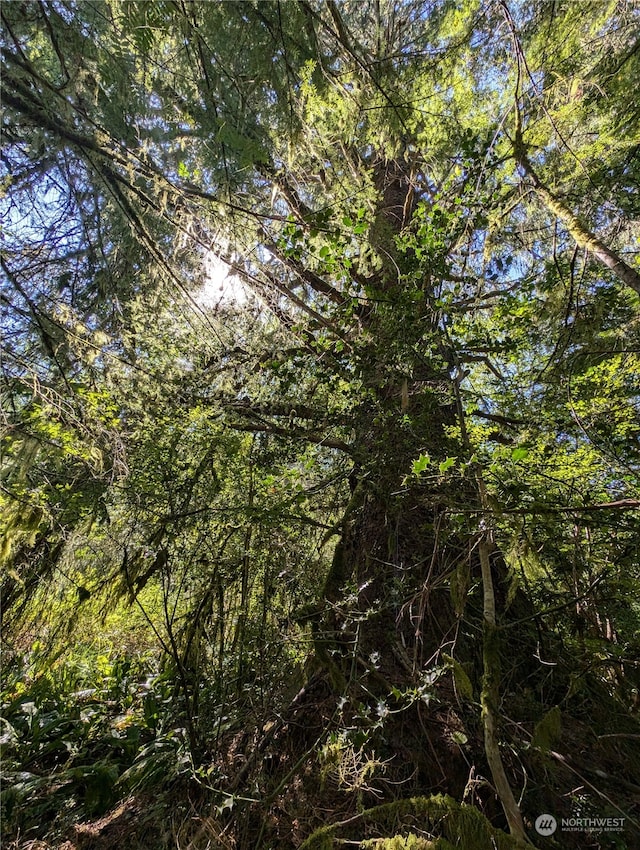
{"points": [[582, 235]]}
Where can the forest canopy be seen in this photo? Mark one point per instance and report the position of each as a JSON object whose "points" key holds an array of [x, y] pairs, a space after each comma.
{"points": [[320, 423]]}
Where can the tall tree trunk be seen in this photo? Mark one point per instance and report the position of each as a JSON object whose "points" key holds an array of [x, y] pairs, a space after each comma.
{"points": [[389, 613]]}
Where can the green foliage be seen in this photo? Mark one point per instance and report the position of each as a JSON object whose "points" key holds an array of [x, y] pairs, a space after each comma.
{"points": [[425, 364], [73, 729]]}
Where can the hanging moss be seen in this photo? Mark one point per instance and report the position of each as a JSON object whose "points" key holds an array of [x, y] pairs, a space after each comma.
{"points": [[547, 731], [460, 677], [462, 826]]}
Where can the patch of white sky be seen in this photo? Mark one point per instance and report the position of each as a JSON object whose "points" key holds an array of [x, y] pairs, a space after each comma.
{"points": [[220, 287], [223, 283]]}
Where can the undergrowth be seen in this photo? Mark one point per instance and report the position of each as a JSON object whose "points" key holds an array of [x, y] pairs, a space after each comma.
{"points": [[79, 734]]}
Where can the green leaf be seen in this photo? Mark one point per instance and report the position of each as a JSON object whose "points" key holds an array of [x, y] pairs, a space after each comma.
{"points": [[420, 464], [446, 464], [519, 454]]}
